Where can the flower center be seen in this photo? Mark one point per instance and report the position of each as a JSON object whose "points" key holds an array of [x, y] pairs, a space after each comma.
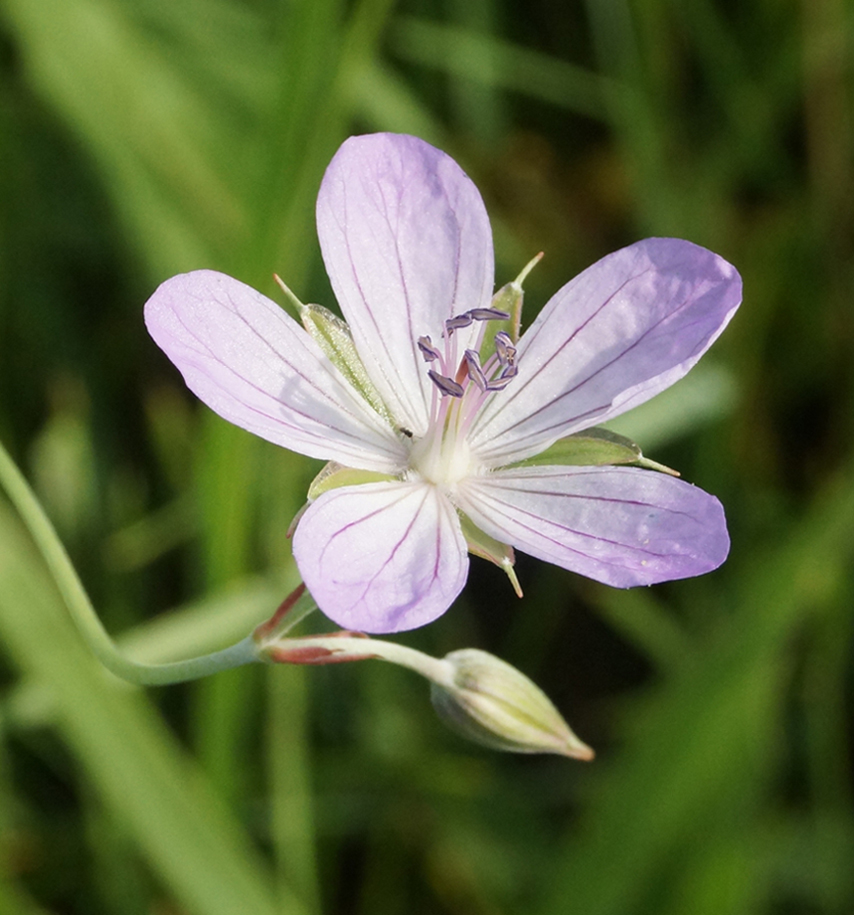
{"points": [[443, 456]]}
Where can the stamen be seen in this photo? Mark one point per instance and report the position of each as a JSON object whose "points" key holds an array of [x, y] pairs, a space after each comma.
{"points": [[475, 371], [446, 385], [504, 348], [489, 314], [462, 320], [428, 351], [501, 382], [455, 401]]}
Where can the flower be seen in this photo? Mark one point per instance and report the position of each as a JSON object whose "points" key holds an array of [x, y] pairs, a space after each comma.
{"points": [[445, 437]]}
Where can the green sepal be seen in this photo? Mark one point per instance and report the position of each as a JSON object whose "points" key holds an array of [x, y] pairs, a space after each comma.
{"points": [[510, 298], [334, 475], [481, 544], [333, 336], [594, 448]]}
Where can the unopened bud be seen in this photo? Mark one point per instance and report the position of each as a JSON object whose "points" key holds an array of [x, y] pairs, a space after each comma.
{"points": [[492, 703]]}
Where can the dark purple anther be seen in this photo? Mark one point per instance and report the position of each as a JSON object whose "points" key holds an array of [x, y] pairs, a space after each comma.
{"points": [[428, 351], [504, 348], [501, 382], [475, 371], [489, 314], [446, 385], [462, 320]]}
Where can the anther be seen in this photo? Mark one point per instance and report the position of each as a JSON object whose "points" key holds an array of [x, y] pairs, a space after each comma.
{"points": [[489, 314], [504, 348], [498, 384], [462, 320], [428, 351], [501, 382], [474, 368], [446, 385]]}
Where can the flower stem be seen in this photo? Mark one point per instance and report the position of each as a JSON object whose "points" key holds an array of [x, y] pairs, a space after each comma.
{"points": [[346, 646], [80, 607], [293, 609]]}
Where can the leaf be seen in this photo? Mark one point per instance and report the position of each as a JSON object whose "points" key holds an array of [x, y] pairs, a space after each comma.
{"points": [[134, 763]]}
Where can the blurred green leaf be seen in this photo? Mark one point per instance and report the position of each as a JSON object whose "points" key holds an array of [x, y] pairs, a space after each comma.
{"points": [[132, 761], [701, 748], [495, 62], [159, 139], [707, 393]]}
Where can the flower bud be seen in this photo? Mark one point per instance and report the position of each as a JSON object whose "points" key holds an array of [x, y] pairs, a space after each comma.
{"points": [[494, 704]]}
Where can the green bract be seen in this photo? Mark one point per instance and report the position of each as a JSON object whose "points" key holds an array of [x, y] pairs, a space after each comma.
{"points": [[591, 448], [333, 336], [334, 475]]}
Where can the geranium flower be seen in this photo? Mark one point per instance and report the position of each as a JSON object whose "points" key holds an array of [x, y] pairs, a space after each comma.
{"points": [[445, 431]]}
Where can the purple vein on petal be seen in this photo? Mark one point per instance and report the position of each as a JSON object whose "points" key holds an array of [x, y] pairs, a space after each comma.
{"points": [[588, 378], [687, 295], [371, 307], [643, 534], [365, 554], [204, 349], [346, 528], [512, 513], [528, 340]]}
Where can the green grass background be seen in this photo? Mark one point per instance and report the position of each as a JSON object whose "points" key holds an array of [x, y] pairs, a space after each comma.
{"points": [[140, 139]]}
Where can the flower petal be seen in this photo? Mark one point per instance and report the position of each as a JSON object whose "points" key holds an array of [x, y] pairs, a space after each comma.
{"points": [[383, 557], [407, 245], [619, 525], [620, 332], [256, 367]]}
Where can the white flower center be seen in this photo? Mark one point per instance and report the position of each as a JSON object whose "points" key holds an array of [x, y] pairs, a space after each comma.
{"points": [[444, 462]]}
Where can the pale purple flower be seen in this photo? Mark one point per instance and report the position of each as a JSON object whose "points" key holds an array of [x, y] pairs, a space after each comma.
{"points": [[407, 243]]}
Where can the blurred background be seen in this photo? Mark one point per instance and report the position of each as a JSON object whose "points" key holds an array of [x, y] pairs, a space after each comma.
{"points": [[141, 139]]}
